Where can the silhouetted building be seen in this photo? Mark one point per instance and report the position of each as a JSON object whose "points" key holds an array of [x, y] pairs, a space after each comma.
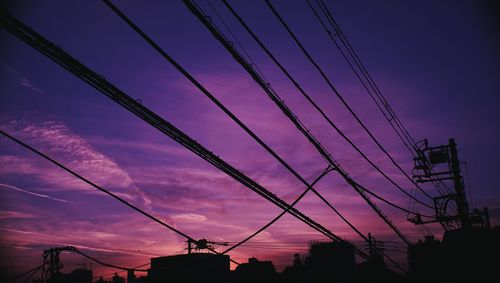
{"points": [[6, 272], [330, 261], [114, 279], [194, 267], [294, 273], [117, 279], [375, 270], [471, 255], [143, 279], [255, 271], [131, 278], [425, 259], [78, 275], [81, 276], [467, 255]]}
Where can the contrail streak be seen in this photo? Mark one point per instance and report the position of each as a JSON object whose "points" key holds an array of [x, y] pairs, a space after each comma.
{"points": [[32, 193]]}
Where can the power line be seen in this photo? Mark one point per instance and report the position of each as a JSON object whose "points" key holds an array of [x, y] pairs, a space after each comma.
{"points": [[266, 86], [241, 124], [98, 82], [439, 185], [56, 251], [107, 264], [335, 91], [234, 118], [50, 50], [313, 103], [296, 201], [31, 274], [60, 165], [234, 37], [390, 115], [320, 110], [283, 213], [384, 101], [228, 113], [338, 32], [34, 270], [393, 204], [310, 187], [118, 272]]}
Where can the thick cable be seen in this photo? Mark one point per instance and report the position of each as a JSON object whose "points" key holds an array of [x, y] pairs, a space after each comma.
{"points": [[56, 54], [314, 104], [60, 165], [166, 56], [335, 91], [266, 86]]}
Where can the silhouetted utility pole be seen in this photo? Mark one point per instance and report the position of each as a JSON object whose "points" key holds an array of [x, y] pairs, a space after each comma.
{"points": [[374, 247], [130, 276], [458, 181], [433, 158], [51, 267]]}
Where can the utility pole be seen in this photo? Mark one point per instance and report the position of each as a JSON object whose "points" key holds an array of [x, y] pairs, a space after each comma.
{"points": [[130, 276], [431, 158], [190, 247], [371, 245], [374, 246], [458, 181]]}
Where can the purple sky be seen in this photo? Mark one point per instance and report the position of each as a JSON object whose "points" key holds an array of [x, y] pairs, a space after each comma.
{"points": [[436, 63]]}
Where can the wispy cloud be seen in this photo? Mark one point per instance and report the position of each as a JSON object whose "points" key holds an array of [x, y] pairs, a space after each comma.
{"points": [[5, 186], [56, 139], [48, 239], [7, 214], [22, 80], [30, 85], [189, 217]]}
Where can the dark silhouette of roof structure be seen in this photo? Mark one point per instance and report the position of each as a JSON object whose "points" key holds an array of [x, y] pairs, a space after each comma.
{"points": [[193, 267], [255, 271], [462, 256], [334, 261], [78, 275]]}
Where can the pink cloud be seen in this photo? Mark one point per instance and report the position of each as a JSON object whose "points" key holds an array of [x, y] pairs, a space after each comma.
{"points": [[57, 140], [189, 217], [15, 214]]}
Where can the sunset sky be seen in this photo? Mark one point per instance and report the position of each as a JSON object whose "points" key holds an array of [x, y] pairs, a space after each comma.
{"points": [[436, 62]]}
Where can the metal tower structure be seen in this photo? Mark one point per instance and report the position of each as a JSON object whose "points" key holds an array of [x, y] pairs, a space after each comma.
{"points": [[441, 164], [52, 264]]}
